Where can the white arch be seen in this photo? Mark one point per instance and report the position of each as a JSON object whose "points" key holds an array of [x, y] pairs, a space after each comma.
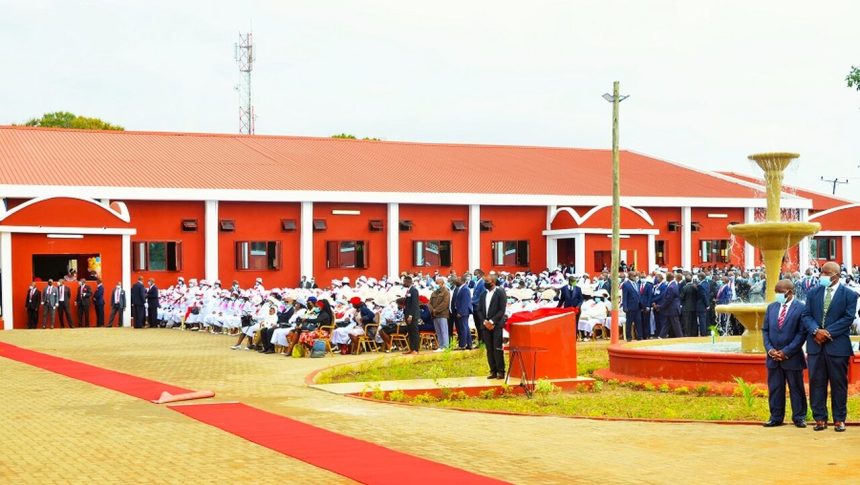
{"points": [[117, 209], [580, 219], [832, 210]]}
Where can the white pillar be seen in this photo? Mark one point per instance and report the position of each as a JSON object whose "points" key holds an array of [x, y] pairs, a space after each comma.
{"points": [[803, 249], [686, 238], [652, 252], [474, 237], [306, 243], [393, 240], [550, 211], [846, 252], [749, 250], [126, 278], [6, 273], [552, 252], [210, 230], [579, 252]]}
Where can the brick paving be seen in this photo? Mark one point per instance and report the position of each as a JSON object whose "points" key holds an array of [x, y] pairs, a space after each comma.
{"points": [[59, 430]]}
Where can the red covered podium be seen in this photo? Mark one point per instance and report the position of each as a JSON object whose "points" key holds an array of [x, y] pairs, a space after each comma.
{"points": [[552, 329]]}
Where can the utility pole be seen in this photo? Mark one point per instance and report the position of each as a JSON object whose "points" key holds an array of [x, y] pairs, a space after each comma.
{"points": [[244, 55], [615, 99], [835, 182]]}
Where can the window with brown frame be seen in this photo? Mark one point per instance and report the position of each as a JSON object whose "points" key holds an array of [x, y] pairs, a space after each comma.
{"points": [[510, 253], [346, 254], [258, 255], [156, 255], [431, 254]]}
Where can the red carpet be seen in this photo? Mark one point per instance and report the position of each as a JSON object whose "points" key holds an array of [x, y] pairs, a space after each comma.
{"points": [[117, 381], [353, 458]]}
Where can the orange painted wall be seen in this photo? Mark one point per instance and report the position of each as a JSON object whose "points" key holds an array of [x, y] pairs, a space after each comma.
{"points": [[259, 221], [715, 229], [841, 220], [162, 221], [64, 212], [599, 242], [350, 228], [433, 222], [24, 246], [514, 223], [661, 217]]}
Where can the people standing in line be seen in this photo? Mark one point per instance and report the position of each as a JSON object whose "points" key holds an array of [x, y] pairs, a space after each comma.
{"points": [[703, 305], [117, 305], [152, 303], [645, 289], [33, 302], [82, 303], [440, 301], [783, 334], [490, 318], [828, 316], [99, 303], [571, 297], [670, 309], [138, 302], [412, 316], [689, 294], [49, 304], [658, 293], [64, 296]]}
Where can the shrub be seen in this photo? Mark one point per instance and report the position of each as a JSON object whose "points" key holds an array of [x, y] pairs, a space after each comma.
{"points": [[648, 386], [487, 394], [664, 388], [702, 390], [424, 398], [682, 390], [397, 396], [545, 387], [747, 391], [597, 386], [458, 396]]}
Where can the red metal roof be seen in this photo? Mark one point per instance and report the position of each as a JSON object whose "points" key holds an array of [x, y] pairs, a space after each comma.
{"points": [[57, 157], [820, 201]]}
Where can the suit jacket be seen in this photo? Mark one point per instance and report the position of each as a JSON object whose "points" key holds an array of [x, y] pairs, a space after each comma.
{"points": [[83, 296], [496, 313], [50, 297], [671, 304], [413, 306], [704, 300], [789, 339], [571, 296], [34, 302], [67, 294], [138, 294], [113, 299], [840, 316], [645, 289], [152, 296], [99, 295], [478, 292], [658, 293], [689, 297], [462, 301], [724, 295], [630, 300]]}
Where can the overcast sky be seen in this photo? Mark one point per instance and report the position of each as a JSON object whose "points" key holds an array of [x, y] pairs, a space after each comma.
{"points": [[709, 82]]}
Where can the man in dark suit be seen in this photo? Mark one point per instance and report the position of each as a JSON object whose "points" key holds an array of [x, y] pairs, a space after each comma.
{"points": [[82, 302], [152, 303], [783, 334], [670, 309], [829, 313], [99, 303], [64, 297], [703, 305], [490, 319], [645, 290], [412, 315], [49, 304], [658, 293], [689, 293], [138, 300], [630, 303], [117, 305], [462, 309], [571, 297], [33, 302]]}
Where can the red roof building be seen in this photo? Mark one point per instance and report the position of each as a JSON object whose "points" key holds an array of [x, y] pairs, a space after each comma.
{"points": [[237, 207]]}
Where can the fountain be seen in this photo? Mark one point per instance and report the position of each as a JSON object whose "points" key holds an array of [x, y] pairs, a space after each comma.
{"points": [[773, 237], [697, 359]]}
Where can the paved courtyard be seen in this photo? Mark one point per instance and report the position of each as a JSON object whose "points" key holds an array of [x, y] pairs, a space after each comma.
{"points": [[54, 429]]}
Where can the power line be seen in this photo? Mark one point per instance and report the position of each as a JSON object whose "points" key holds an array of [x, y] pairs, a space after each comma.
{"points": [[835, 182]]}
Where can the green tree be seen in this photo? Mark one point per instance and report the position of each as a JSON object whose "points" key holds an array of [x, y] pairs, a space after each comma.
{"points": [[64, 119], [853, 78], [347, 136]]}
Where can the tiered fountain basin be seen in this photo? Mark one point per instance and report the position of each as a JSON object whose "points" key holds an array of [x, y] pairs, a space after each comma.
{"points": [[694, 360]]}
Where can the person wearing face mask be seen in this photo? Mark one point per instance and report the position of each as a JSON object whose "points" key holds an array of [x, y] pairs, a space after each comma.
{"points": [[783, 333], [490, 318], [631, 304], [34, 300], [658, 293], [117, 305], [829, 313]]}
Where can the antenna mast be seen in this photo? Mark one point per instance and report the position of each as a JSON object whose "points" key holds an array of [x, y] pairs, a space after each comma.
{"points": [[245, 57]]}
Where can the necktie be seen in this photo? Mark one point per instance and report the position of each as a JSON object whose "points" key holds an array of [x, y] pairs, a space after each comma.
{"points": [[63, 293], [781, 320], [828, 294], [116, 297]]}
